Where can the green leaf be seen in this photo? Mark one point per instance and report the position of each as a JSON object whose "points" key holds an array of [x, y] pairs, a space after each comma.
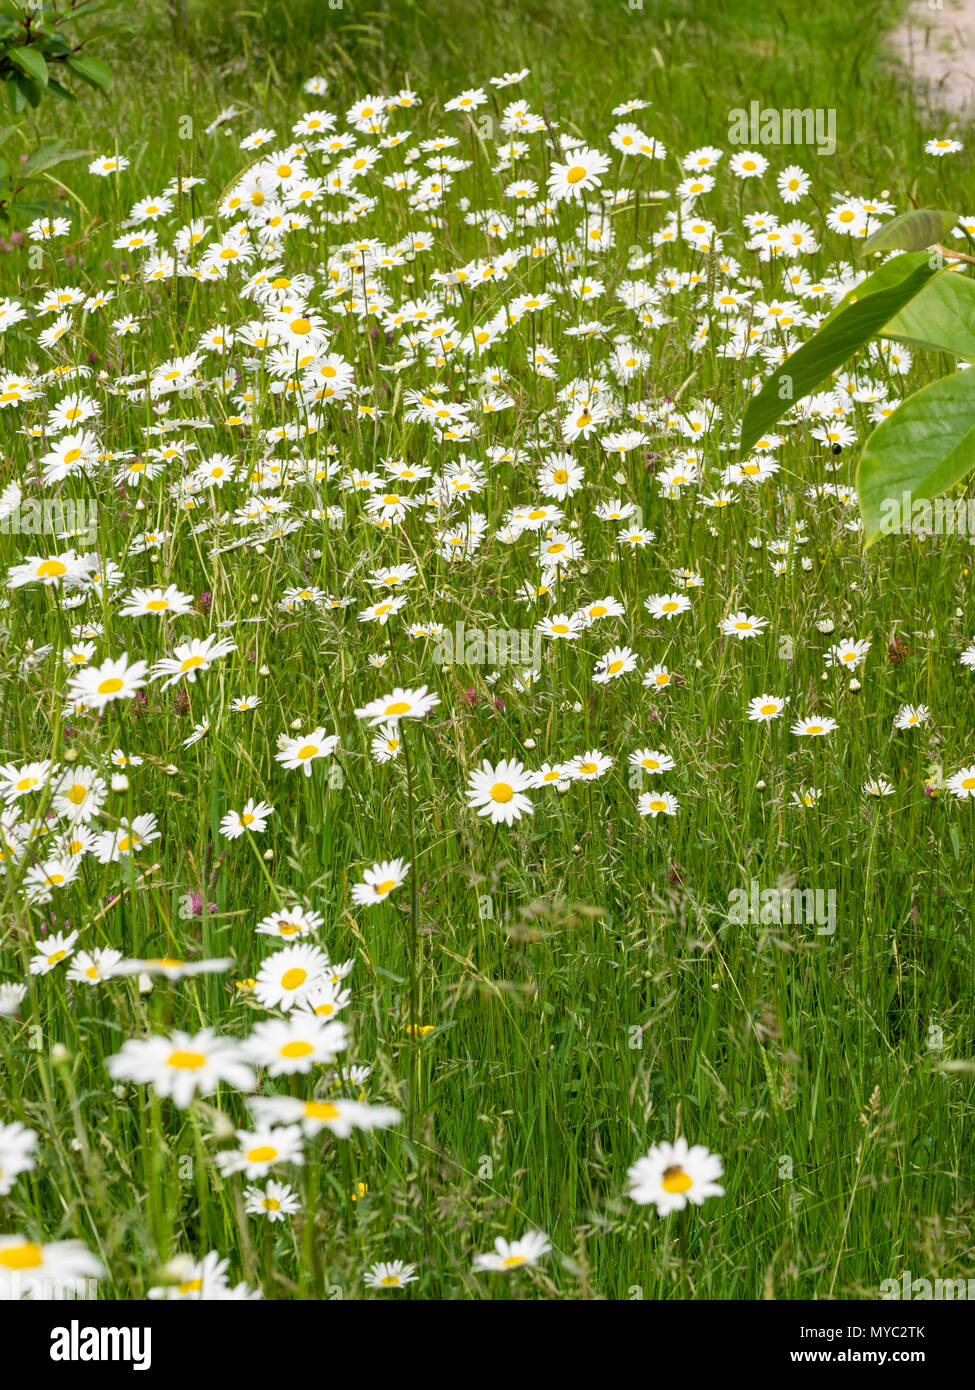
{"points": [[30, 62], [941, 317], [923, 449], [865, 310], [90, 70], [885, 277], [54, 86], [15, 95], [22, 92], [46, 156], [6, 131], [912, 231]]}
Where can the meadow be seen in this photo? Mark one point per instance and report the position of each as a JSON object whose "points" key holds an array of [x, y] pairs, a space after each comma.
{"points": [[469, 830]]}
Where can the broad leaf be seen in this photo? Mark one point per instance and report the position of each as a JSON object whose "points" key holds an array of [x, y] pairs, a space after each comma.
{"points": [[867, 309], [917, 453], [941, 317], [30, 62], [90, 70], [885, 277], [46, 156], [912, 231]]}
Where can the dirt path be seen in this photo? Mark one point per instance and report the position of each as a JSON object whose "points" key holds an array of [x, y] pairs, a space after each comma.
{"points": [[936, 43]]}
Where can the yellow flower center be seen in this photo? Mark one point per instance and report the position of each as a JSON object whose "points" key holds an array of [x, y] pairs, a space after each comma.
{"points": [[296, 1049], [26, 1256], [294, 978], [264, 1153], [186, 1061], [502, 792], [676, 1180]]}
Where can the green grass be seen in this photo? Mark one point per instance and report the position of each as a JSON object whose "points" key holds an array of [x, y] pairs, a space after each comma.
{"points": [[587, 994]]}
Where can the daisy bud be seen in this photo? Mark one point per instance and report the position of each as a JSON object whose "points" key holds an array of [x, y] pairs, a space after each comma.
{"points": [[59, 1055], [177, 1269], [223, 1126], [120, 783]]}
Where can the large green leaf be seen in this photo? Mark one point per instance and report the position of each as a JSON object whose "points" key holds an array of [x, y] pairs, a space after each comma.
{"points": [[865, 310], [917, 453], [90, 70], [31, 62], [941, 317], [21, 92], [885, 277], [47, 155], [912, 231]]}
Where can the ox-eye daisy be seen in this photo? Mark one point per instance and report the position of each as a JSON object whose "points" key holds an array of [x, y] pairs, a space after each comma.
{"points": [[671, 1175], [303, 750], [514, 1254], [401, 704], [182, 1065], [392, 1275], [499, 791], [275, 1200], [656, 804], [379, 881]]}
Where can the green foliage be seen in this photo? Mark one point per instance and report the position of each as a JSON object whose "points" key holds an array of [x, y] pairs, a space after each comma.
{"points": [[39, 46], [928, 444], [857, 318], [912, 231], [923, 449]]}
